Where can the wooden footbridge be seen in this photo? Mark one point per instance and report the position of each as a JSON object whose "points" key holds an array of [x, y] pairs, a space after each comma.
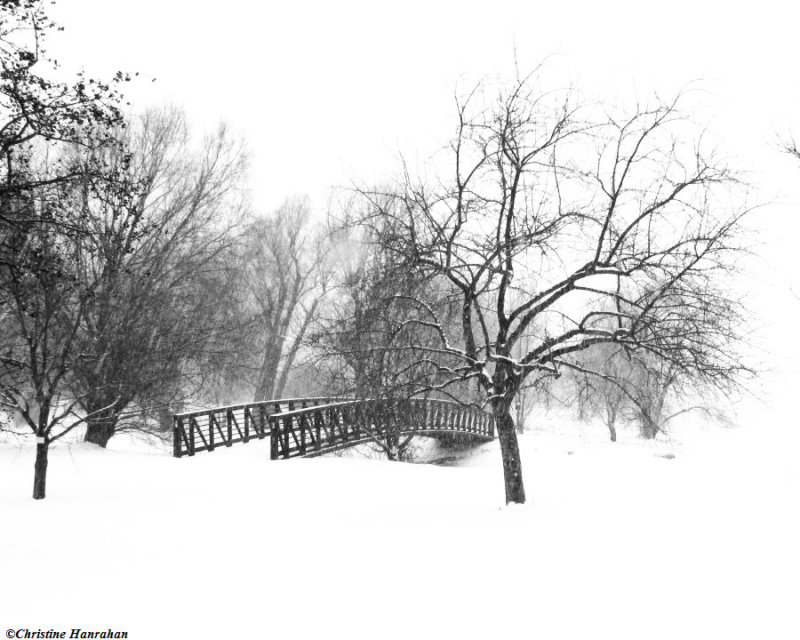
{"points": [[315, 426]]}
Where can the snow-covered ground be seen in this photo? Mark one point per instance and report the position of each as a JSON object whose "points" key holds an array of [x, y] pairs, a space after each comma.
{"points": [[695, 537]]}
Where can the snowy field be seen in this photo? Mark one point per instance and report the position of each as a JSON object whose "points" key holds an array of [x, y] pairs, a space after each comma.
{"points": [[692, 537]]}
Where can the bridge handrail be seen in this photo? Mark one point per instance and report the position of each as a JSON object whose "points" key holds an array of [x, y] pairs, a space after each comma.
{"points": [[248, 405], [352, 401]]}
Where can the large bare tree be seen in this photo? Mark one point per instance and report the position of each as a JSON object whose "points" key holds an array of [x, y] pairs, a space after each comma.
{"points": [[156, 263], [562, 229]]}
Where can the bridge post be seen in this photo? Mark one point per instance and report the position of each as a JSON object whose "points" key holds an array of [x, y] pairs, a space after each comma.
{"points": [[262, 421], [302, 424], [335, 421], [177, 428], [285, 433], [274, 434], [192, 426], [349, 417]]}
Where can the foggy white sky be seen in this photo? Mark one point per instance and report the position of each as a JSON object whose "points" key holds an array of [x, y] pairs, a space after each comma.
{"points": [[325, 92]]}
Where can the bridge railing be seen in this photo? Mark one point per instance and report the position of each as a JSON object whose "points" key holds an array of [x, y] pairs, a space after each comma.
{"points": [[205, 430], [323, 428]]}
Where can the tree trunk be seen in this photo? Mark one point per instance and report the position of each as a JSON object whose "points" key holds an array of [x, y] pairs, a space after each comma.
{"points": [[40, 470], [519, 413], [392, 443], [164, 413], [280, 385], [648, 428], [266, 379], [99, 431], [103, 412], [509, 448], [611, 421]]}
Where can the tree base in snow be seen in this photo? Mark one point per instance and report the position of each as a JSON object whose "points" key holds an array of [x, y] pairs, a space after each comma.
{"points": [[99, 434]]}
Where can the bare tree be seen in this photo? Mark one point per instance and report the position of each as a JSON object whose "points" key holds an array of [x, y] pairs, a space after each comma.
{"points": [[45, 298], [286, 278], [572, 228], [634, 387], [42, 220], [602, 388], [376, 346], [40, 116], [375, 332], [155, 261], [791, 147]]}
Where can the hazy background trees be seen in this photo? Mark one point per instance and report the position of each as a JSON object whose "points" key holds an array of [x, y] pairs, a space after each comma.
{"points": [[286, 277]]}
